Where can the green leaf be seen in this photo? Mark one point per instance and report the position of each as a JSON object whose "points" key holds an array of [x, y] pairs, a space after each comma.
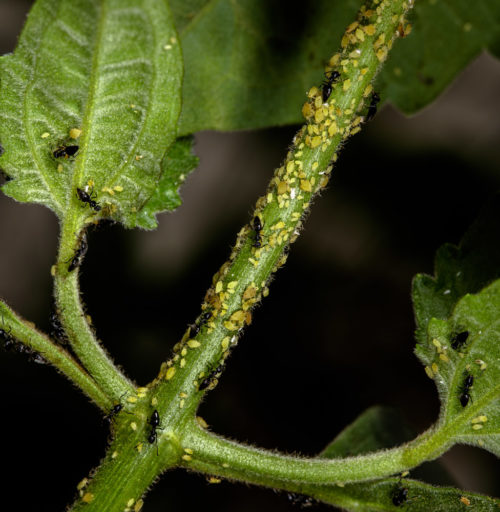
{"points": [[177, 163], [110, 68], [421, 497], [248, 63], [446, 36], [378, 427], [450, 361], [462, 269]]}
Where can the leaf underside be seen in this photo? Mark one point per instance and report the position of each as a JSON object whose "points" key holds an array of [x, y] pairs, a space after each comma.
{"points": [[110, 69], [458, 331], [249, 63]]}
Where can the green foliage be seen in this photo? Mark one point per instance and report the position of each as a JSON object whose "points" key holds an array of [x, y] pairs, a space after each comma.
{"points": [[113, 71], [447, 35], [249, 63], [456, 331]]}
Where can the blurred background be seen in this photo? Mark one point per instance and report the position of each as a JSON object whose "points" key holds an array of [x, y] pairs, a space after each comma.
{"points": [[305, 369]]}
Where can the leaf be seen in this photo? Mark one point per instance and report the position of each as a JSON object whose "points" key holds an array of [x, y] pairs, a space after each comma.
{"points": [[176, 164], [248, 63], [378, 427], [462, 269], [108, 68], [466, 348], [421, 497], [447, 35]]}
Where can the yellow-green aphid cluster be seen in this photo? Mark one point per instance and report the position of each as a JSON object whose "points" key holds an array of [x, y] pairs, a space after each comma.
{"points": [[133, 506], [363, 39], [261, 246], [442, 356], [478, 422]]}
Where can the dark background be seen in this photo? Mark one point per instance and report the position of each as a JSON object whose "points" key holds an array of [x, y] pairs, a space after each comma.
{"points": [[307, 367]]}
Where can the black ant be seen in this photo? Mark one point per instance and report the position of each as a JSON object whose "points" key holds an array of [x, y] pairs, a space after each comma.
{"points": [[465, 395], [194, 329], [80, 252], [65, 151], [300, 499], [459, 339], [326, 86], [372, 108], [87, 198], [154, 421], [8, 340], [10, 344], [399, 495], [207, 381], [56, 329], [257, 226]]}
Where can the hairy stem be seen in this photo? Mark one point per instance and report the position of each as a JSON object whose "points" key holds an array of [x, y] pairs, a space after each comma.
{"points": [[218, 456], [74, 319], [21, 330]]}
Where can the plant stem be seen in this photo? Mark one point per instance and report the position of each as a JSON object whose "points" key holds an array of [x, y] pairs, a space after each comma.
{"points": [[261, 247], [218, 456], [60, 358], [74, 319]]}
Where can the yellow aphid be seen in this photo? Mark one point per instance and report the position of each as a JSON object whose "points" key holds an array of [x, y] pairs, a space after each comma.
{"points": [[305, 185], [369, 29], [382, 54], [315, 141], [282, 187], [465, 500], [443, 358], [201, 422], [352, 27], [170, 373], [313, 91], [193, 344], [360, 34], [238, 316], [436, 343], [74, 133], [83, 483], [45, 135], [130, 502], [333, 129], [138, 506], [307, 110], [346, 84], [434, 367], [87, 497]]}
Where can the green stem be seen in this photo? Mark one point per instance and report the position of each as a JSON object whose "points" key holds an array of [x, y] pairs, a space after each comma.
{"points": [[74, 319], [218, 456], [242, 281], [20, 329]]}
